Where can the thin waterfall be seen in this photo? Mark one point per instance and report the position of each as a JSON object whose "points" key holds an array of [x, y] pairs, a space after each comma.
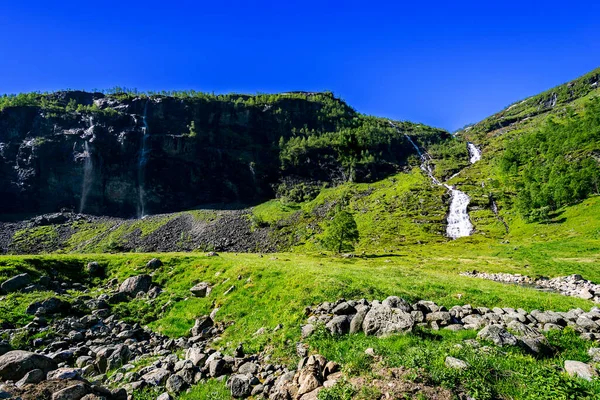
{"points": [[88, 169], [459, 223], [143, 159], [474, 153]]}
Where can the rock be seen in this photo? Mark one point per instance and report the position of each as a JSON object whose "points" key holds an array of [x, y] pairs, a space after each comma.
{"points": [[51, 305], [164, 396], [370, 352], [74, 392], [338, 325], [309, 379], [216, 368], [455, 363], [441, 317], [158, 377], [64, 373], [15, 283], [383, 320], [201, 289], [248, 368], [33, 376], [498, 335], [594, 352], [201, 324], [176, 384], [93, 268], [580, 369], [211, 254], [344, 309], [397, 302], [153, 264], [136, 284], [307, 330], [239, 385], [15, 364], [357, 321], [196, 356]]}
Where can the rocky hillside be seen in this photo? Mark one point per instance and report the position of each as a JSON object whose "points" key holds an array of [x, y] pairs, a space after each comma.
{"points": [[130, 155]]}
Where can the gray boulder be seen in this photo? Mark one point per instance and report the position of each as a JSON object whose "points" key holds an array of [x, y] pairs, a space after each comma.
{"points": [[455, 363], [201, 289], [498, 335], [74, 392], [157, 377], [344, 309], [339, 325], [383, 320], [33, 377], [136, 284], [580, 369], [397, 302], [201, 324], [15, 283], [357, 321], [240, 386], [176, 384], [15, 364], [154, 263]]}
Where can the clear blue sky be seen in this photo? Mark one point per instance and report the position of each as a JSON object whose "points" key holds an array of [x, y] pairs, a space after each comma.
{"points": [[441, 63]]}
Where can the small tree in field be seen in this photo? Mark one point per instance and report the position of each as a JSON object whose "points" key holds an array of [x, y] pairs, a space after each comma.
{"points": [[341, 234]]}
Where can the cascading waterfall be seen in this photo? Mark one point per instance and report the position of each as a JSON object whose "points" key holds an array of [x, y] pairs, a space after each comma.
{"points": [[474, 152], [459, 223], [141, 209], [88, 168]]}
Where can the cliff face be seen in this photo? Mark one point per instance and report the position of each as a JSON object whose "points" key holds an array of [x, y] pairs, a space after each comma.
{"points": [[125, 155], [137, 155]]}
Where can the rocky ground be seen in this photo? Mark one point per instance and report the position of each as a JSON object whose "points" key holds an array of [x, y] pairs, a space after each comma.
{"points": [[78, 348], [572, 285], [500, 326], [225, 230]]}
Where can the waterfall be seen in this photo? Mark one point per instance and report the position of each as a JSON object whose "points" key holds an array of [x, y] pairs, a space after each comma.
{"points": [[141, 208], [88, 168], [474, 152], [459, 224]]}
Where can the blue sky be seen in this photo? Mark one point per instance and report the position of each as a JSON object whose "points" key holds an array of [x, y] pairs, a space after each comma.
{"points": [[441, 63]]}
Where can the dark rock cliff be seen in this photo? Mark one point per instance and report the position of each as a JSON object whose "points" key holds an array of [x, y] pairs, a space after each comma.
{"points": [[135, 155]]}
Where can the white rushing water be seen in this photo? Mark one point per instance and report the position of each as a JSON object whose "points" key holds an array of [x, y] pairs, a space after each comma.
{"points": [[459, 223], [474, 152], [88, 167], [141, 209]]}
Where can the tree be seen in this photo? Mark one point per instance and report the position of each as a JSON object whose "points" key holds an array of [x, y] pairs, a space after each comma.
{"points": [[341, 233]]}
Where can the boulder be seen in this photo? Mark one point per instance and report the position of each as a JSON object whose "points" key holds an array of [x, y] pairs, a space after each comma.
{"points": [[455, 363], [201, 289], [339, 325], [344, 309], [15, 364], [15, 283], [157, 377], [580, 369], [397, 302], [196, 356], [498, 335], [357, 321], [136, 284], [176, 384], [383, 320], [33, 377], [154, 263], [239, 385], [201, 324], [248, 368], [64, 373], [73, 392], [93, 268]]}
